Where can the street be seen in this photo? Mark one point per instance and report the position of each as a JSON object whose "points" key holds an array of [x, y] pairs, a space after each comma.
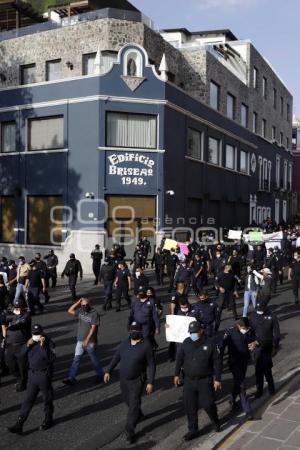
{"points": [[93, 415]]}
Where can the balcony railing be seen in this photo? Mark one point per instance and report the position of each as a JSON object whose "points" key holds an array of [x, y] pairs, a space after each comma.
{"points": [[105, 13]]}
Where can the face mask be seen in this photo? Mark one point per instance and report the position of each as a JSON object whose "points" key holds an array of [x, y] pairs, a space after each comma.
{"points": [[243, 331], [17, 312], [260, 312], [21, 262], [184, 309], [195, 337], [137, 274], [85, 308], [136, 335], [36, 337], [143, 299]]}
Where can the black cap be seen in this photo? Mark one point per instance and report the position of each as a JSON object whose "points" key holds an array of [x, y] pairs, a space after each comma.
{"points": [[22, 258], [195, 327], [19, 303], [37, 329], [183, 300], [134, 326], [11, 262], [72, 255], [244, 322], [122, 262], [142, 290]]}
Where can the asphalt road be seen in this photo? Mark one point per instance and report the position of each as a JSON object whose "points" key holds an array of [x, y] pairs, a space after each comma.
{"points": [[90, 415]]}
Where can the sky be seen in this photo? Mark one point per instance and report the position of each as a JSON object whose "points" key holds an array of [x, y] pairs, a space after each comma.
{"points": [[273, 26]]}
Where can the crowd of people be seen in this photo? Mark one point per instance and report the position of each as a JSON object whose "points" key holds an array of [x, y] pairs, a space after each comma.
{"points": [[201, 285]]}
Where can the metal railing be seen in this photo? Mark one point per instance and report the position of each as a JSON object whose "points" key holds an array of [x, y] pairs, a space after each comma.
{"points": [[106, 13]]}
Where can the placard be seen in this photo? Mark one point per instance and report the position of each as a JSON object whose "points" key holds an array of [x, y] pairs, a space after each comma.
{"points": [[178, 328], [235, 234], [170, 244]]}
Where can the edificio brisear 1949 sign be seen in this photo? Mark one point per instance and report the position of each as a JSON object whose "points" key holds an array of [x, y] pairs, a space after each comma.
{"points": [[130, 169]]}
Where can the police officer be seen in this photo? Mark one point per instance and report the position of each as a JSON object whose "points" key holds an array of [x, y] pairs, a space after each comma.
{"points": [[12, 280], [217, 267], [137, 260], [271, 262], [16, 332], [42, 268], [265, 326], [96, 256], [41, 355], [228, 293], [134, 355], [52, 263], [145, 247], [122, 284], [265, 284], [140, 280], [158, 262], [294, 275], [71, 270], [171, 264], [183, 275], [207, 312], [280, 263], [237, 339], [107, 275], [143, 312], [34, 284], [201, 362]]}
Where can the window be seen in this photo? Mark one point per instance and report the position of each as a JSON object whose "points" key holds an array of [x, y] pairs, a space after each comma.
{"points": [[244, 115], [281, 106], [255, 78], [288, 112], [53, 70], [273, 133], [264, 87], [244, 162], [8, 217], [278, 171], [40, 228], [281, 138], [287, 143], [285, 175], [284, 210], [46, 133], [108, 58], [214, 95], [274, 97], [265, 175], [230, 106], [214, 151], [264, 128], [131, 130], [194, 145], [290, 176], [8, 137], [88, 63], [28, 74], [230, 157], [254, 123]]}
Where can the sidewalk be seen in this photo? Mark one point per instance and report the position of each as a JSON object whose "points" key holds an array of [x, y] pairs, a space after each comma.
{"points": [[275, 427]]}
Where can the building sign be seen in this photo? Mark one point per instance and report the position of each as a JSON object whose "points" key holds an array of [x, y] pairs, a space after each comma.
{"points": [[131, 169]]}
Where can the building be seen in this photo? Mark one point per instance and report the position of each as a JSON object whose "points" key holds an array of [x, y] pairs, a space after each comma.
{"points": [[112, 129], [296, 165]]}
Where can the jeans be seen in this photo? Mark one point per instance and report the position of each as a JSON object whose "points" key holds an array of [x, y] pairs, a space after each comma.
{"points": [[91, 349], [249, 296], [20, 291]]}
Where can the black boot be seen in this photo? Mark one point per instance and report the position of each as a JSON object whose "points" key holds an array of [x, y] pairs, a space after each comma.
{"points": [[18, 427], [47, 423]]}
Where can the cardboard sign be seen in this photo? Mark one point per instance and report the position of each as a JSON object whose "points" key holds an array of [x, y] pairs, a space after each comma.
{"points": [[169, 244], [183, 248], [273, 236], [255, 236], [273, 244], [235, 234], [177, 328]]}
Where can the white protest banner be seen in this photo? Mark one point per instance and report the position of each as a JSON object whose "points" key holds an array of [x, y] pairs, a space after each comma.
{"points": [[273, 236], [273, 244], [177, 328], [235, 234]]}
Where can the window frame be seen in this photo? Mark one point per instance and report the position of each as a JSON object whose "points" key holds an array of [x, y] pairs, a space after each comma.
{"points": [[219, 150], [84, 57], [233, 155], [53, 61], [7, 122], [201, 133], [265, 88], [247, 155], [213, 83], [255, 78], [27, 218], [264, 128], [2, 197], [31, 119], [254, 122], [274, 98], [229, 95], [26, 66], [246, 109], [133, 114]]}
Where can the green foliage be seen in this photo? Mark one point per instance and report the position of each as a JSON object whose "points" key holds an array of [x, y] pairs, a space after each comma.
{"points": [[42, 5]]}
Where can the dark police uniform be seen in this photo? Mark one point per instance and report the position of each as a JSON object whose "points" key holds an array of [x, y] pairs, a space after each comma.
{"points": [[73, 267], [238, 360], [122, 286], [267, 333], [183, 275], [158, 261], [134, 360], [295, 266], [139, 282], [228, 282], [271, 262], [107, 275], [197, 266], [40, 362], [52, 262], [171, 263], [42, 268], [34, 289], [18, 333], [200, 360], [96, 256], [145, 314], [207, 312]]}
